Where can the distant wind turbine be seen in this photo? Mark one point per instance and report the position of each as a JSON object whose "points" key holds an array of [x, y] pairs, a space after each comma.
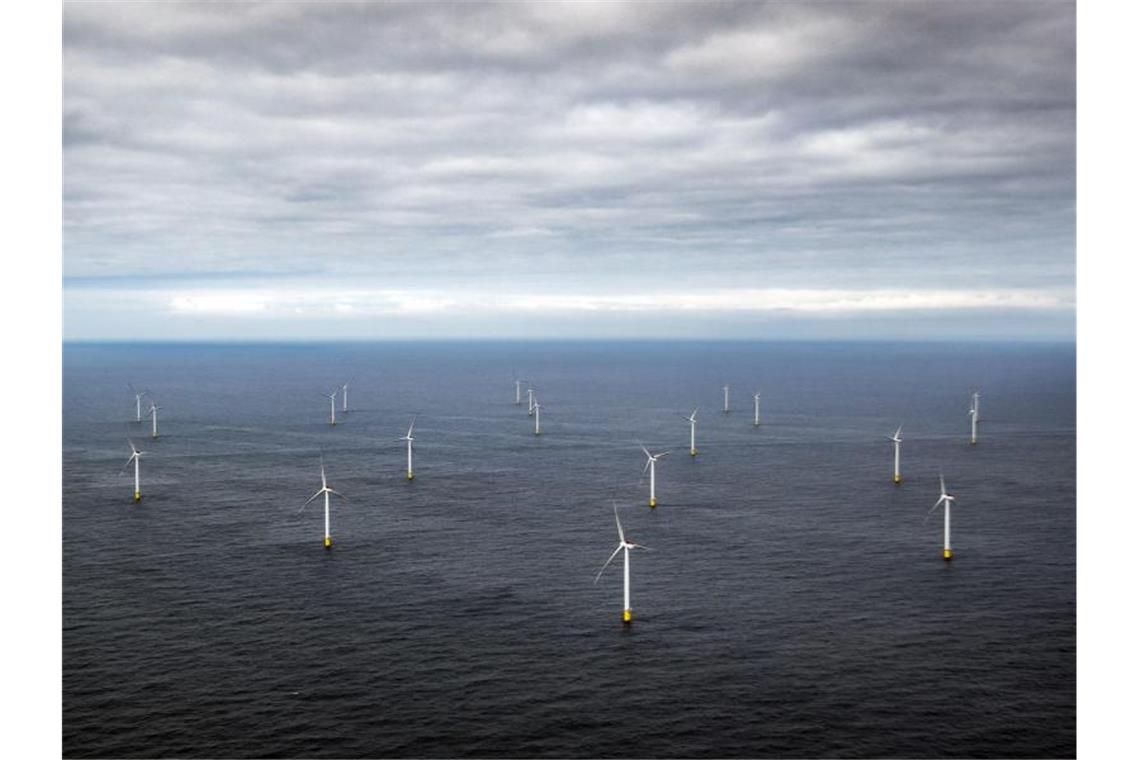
{"points": [[692, 418], [627, 611], [977, 405], [946, 499], [651, 466], [332, 405], [973, 414], [325, 490], [756, 409], [897, 438], [408, 438], [135, 454], [154, 420], [518, 392], [344, 391], [726, 399], [138, 402], [530, 402], [537, 417]]}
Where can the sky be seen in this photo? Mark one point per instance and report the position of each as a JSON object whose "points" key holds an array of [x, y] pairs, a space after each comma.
{"points": [[877, 170]]}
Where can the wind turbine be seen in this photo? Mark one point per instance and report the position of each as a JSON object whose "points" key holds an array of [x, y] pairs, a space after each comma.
{"points": [[756, 409], [138, 402], [154, 420], [973, 413], [326, 491], [518, 392], [627, 611], [977, 405], [651, 465], [945, 498], [332, 405], [135, 454], [409, 439], [897, 438], [344, 391], [530, 402], [537, 418], [726, 399], [692, 418]]}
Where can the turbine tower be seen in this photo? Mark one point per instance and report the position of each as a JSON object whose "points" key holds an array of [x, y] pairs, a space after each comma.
{"points": [[651, 466], [332, 405], [756, 409], [692, 418], [726, 399], [530, 402], [135, 454], [973, 413], [325, 490], [627, 611], [154, 420], [946, 499], [344, 392], [537, 418], [897, 438], [409, 439], [138, 402]]}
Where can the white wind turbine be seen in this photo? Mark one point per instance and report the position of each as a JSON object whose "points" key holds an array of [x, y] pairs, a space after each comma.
{"points": [[726, 399], [332, 405], [408, 438], [627, 611], [138, 402], [518, 392], [973, 414], [344, 396], [537, 417], [154, 419], [325, 490], [945, 498], [135, 454], [977, 405], [756, 409], [692, 418], [651, 465], [897, 438], [530, 402]]}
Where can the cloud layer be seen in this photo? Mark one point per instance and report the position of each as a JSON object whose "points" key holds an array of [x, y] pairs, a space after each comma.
{"points": [[582, 153]]}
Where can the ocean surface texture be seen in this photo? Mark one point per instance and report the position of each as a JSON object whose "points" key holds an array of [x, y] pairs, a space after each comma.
{"points": [[794, 603]]}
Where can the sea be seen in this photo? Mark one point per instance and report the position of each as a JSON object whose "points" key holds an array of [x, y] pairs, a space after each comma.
{"points": [[793, 601]]}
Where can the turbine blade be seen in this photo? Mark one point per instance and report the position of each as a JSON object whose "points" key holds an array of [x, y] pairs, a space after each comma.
{"points": [[942, 482], [410, 427], [318, 493], [338, 493], [647, 463], [621, 533], [937, 504], [608, 561], [639, 546]]}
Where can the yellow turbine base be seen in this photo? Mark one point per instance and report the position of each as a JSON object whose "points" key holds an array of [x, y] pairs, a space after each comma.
{"points": [[653, 502], [627, 616], [897, 479], [138, 496], [692, 452], [538, 432], [947, 555], [973, 443], [411, 475], [328, 542]]}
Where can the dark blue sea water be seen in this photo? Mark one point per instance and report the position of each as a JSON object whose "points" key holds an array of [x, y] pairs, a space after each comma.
{"points": [[795, 602]]}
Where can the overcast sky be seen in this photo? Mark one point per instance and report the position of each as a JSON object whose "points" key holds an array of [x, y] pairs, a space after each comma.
{"points": [[767, 170]]}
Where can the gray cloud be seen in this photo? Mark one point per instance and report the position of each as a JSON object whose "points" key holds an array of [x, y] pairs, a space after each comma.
{"points": [[570, 148]]}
